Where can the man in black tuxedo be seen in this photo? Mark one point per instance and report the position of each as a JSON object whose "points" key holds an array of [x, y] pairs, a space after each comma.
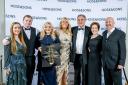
{"points": [[79, 50], [114, 53], [29, 34]]}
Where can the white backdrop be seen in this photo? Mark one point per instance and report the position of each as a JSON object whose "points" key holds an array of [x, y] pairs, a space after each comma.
{"points": [[54, 10]]}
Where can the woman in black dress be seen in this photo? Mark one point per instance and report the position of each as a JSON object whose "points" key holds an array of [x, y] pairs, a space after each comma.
{"points": [[94, 58]]}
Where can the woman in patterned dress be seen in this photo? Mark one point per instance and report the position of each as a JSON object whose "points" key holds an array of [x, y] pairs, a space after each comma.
{"points": [[65, 40], [14, 52]]}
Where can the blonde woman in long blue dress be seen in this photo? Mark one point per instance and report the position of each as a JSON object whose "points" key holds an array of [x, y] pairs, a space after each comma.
{"points": [[65, 39], [15, 64]]}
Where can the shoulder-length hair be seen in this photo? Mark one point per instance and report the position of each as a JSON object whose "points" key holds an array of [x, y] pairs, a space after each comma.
{"points": [[13, 40], [95, 23], [43, 32]]}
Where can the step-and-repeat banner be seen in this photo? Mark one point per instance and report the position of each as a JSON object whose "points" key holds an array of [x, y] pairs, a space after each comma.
{"points": [[54, 10]]}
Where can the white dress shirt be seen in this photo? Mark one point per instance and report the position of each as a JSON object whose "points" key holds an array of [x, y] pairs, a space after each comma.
{"points": [[28, 32], [79, 41], [109, 33]]}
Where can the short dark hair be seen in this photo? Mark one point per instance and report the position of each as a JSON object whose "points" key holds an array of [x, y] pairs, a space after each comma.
{"points": [[28, 16], [81, 15], [95, 23]]}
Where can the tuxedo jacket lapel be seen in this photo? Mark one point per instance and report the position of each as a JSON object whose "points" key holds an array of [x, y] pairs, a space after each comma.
{"points": [[105, 35], [24, 34], [32, 34], [86, 33], [75, 33], [111, 35]]}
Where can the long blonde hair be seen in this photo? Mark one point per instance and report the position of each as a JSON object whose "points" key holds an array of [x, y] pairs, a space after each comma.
{"points": [[68, 30], [13, 40], [43, 32]]}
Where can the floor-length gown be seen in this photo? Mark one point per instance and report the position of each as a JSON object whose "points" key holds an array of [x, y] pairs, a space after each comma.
{"points": [[16, 63], [94, 61]]}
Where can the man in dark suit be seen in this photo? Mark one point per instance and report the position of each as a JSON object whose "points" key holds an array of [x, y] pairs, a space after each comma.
{"points": [[29, 34], [114, 53], [79, 50]]}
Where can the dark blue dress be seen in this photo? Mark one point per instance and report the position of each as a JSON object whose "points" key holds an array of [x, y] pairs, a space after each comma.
{"points": [[47, 75], [16, 63]]}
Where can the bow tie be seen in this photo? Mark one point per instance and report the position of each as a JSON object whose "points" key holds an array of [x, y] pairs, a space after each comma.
{"points": [[27, 28], [80, 28]]}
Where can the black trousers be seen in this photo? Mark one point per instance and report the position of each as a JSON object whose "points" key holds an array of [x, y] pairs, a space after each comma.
{"points": [[80, 69], [30, 63], [112, 76]]}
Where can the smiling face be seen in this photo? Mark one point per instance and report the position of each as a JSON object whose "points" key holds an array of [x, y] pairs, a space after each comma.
{"points": [[27, 22], [48, 28], [109, 23], [94, 29], [81, 21], [16, 29], [64, 24]]}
